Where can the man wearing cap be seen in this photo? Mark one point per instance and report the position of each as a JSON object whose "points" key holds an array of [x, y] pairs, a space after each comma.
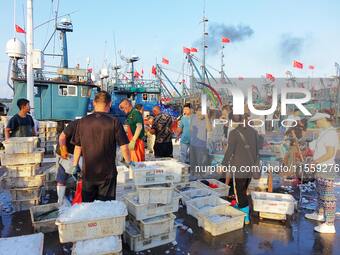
{"points": [[325, 148]]}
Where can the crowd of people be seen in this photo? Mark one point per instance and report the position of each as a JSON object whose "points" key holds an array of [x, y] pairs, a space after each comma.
{"points": [[87, 148]]}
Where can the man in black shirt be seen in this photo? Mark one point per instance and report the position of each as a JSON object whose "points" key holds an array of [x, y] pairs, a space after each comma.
{"points": [[21, 124], [96, 138], [161, 127], [64, 159]]}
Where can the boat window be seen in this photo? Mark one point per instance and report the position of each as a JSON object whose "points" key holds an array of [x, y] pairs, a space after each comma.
{"points": [[84, 92], [67, 90]]}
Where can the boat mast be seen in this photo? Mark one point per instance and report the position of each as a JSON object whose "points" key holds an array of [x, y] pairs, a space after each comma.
{"points": [[205, 46], [29, 55]]}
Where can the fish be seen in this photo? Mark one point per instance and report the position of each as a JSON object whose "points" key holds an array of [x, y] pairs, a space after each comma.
{"points": [[53, 214]]}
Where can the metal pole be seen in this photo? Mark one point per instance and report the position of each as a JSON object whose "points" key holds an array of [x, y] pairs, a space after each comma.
{"points": [[29, 55]]}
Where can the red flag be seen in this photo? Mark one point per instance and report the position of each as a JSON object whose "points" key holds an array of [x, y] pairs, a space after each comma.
{"points": [[165, 61], [311, 67], [186, 50], [142, 71], [89, 70], [241, 78], [154, 70], [18, 29], [194, 50], [225, 39], [297, 64], [270, 77], [136, 74]]}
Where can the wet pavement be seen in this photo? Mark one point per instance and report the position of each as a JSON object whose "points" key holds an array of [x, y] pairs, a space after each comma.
{"points": [[295, 236]]}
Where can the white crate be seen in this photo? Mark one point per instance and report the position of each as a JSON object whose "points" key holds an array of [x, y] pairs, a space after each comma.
{"points": [[46, 225], [145, 211], [259, 184], [23, 205], [123, 174], [20, 145], [22, 158], [155, 194], [25, 244], [24, 182], [199, 205], [147, 175], [25, 193], [222, 190], [191, 190], [172, 168], [93, 227], [136, 242], [111, 245], [155, 226], [273, 202], [23, 170], [234, 221]]}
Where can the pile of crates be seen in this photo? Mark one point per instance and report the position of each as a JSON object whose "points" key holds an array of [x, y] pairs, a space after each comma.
{"points": [[94, 234], [151, 219], [23, 178], [48, 135]]}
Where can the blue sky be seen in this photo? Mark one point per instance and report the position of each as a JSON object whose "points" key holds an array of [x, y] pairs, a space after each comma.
{"points": [[155, 28]]}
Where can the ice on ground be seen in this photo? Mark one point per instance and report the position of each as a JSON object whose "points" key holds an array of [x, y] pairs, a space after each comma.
{"points": [[106, 245], [92, 211], [28, 245], [174, 243], [189, 230]]}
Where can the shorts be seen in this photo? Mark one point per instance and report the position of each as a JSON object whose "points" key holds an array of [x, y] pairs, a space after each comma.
{"points": [[62, 176], [103, 190]]}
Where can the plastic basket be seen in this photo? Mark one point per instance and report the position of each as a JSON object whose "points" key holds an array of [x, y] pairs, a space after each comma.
{"points": [[155, 226], [273, 202], [20, 145], [22, 158], [192, 190], [155, 194], [24, 182], [92, 228], [215, 228], [25, 193], [136, 242], [47, 225], [147, 175], [222, 189], [23, 205], [22, 170], [145, 211], [86, 247], [199, 205]]}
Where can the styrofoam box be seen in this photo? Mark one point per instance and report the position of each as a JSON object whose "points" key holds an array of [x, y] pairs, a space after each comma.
{"points": [[136, 242], [111, 245], [47, 225], [157, 225], [22, 170], [94, 229], [20, 145], [215, 228], [191, 190], [147, 175], [24, 182], [199, 205], [25, 193], [22, 158], [155, 194], [23, 205], [273, 202], [221, 191], [145, 211]]}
